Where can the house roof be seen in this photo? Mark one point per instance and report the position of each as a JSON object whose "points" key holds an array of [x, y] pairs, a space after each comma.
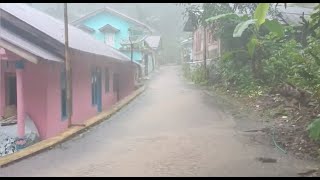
{"points": [[20, 43], [54, 28], [108, 28], [153, 41], [186, 41], [189, 25], [86, 28], [127, 42], [291, 14], [111, 11]]}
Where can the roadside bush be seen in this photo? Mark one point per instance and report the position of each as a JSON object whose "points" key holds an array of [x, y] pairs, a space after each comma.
{"points": [[235, 73], [314, 129], [198, 75], [282, 63], [186, 70]]}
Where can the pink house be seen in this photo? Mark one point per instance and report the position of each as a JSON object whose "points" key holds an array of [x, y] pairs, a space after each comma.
{"points": [[32, 76], [212, 47], [197, 33]]}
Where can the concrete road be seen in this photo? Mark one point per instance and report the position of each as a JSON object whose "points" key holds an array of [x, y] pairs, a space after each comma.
{"points": [[172, 129]]}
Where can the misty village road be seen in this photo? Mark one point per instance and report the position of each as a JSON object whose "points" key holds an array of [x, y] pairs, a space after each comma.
{"points": [[172, 129]]}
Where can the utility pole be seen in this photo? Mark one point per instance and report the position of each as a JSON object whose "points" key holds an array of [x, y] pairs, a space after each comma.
{"points": [[131, 45], [67, 66], [205, 51]]}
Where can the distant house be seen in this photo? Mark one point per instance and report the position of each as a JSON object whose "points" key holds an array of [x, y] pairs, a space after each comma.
{"points": [[153, 46], [32, 73], [212, 46], [186, 53], [119, 31]]}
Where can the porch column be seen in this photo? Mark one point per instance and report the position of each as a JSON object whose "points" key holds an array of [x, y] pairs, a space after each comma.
{"points": [[20, 99], [2, 98]]}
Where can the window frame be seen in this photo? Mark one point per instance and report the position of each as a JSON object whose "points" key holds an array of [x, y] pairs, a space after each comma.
{"points": [[63, 96], [106, 80]]}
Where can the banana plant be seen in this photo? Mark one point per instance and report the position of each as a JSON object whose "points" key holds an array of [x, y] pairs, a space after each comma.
{"points": [[258, 20]]}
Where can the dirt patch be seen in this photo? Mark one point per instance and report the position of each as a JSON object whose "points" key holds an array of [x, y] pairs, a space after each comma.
{"points": [[283, 118], [290, 120]]}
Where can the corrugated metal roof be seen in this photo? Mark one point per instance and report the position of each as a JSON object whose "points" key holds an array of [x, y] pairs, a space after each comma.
{"points": [[54, 28], [27, 46], [292, 14], [186, 41], [153, 41]]}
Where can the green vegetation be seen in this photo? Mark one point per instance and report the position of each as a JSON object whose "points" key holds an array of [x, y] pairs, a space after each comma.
{"points": [[314, 129], [259, 53]]}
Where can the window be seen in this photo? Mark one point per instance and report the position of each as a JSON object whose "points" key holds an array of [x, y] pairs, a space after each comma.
{"points": [[93, 86], [63, 94], [115, 82], [109, 39], [107, 80]]}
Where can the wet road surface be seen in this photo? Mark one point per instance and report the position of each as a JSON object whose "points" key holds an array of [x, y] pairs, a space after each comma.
{"points": [[172, 129]]}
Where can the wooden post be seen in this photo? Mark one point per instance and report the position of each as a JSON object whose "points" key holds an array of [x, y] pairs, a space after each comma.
{"points": [[204, 47], [67, 66]]}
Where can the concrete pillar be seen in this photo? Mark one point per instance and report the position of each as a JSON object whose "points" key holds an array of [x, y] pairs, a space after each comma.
{"points": [[20, 99], [2, 88]]}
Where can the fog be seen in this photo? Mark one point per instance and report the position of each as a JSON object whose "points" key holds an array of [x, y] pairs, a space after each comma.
{"points": [[165, 18]]}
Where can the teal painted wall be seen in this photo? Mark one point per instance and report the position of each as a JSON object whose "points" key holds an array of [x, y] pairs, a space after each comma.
{"points": [[137, 56], [98, 21]]}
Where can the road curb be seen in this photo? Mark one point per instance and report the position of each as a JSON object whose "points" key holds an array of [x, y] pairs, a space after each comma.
{"points": [[69, 133]]}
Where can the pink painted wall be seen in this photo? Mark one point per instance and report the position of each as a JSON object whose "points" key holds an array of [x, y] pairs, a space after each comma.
{"points": [[81, 92], [55, 124], [35, 84], [126, 80], [81, 82], [43, 92], [197, 45], [35, 81]]}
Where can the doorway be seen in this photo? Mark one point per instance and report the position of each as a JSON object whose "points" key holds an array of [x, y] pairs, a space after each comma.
{"points": [[116, 85], [98, 89], [11, 95]]}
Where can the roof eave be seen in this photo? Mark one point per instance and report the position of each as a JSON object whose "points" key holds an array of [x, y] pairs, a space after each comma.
{"points": [[19, 51]]}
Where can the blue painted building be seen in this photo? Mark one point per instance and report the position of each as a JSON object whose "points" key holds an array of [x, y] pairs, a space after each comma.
{"points": [[117, 30]]}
